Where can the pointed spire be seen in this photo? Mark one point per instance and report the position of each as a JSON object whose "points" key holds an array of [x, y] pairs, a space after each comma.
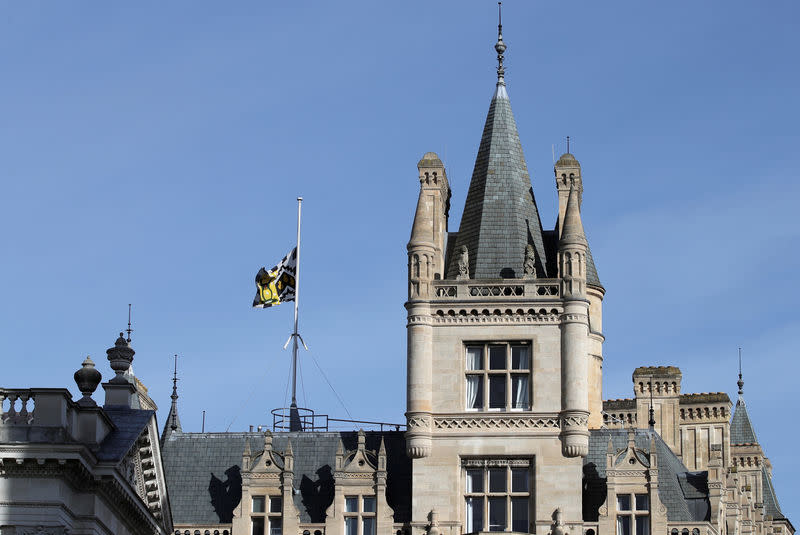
{"points": [[500, 48], [500, 216], [573, 226], [173, 423]]}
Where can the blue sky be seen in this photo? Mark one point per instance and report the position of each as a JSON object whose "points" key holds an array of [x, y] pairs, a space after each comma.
{"points": [[151, 154]]}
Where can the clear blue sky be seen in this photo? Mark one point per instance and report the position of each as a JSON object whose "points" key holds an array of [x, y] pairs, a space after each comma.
{"points": [[152, 153]]}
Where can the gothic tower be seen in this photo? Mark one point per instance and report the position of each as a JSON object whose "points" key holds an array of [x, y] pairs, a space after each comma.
{"points": [[504, 343]]}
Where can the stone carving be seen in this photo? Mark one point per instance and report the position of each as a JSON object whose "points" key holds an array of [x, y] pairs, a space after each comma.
{"points": [[463, 263], [558, 527], [529, 266], [497, 423]]}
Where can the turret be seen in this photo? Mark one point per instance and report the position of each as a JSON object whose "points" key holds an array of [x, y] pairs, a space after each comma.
{"points": [[425, 264], [572, 252], [568, 175], [429, 231]]}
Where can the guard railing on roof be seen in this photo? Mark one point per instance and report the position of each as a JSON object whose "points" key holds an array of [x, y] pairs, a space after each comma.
{"points": [[307, 420]]}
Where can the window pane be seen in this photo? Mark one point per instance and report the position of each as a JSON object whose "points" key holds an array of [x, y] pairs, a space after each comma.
{"points": [[497, 514], [474, 515], [642, 525], [519, 515], [497, 480], [351, 504], [623, 502], [351, 525], [275, 503], [369, 504], [474, 391], [519, 480], [475, 358], [642, 502], [497, 357], [475, 480], [623, 525], [258, 525], [275, 527], [368, 526], [258, 504], [497, 391], [520, 358], [520, 399]]}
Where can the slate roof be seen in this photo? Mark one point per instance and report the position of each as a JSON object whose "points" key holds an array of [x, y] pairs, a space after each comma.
{"points": [[771, 506], [128, 425], [741, 429], [500, 215], [683, 493], [205, 483]]}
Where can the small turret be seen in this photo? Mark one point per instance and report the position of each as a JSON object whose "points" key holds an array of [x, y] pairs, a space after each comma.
{"points": [[572, 251], [429, 231], [568, 175]]}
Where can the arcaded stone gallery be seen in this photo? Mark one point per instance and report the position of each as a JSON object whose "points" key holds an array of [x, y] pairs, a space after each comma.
{"points": [[506, 427]]}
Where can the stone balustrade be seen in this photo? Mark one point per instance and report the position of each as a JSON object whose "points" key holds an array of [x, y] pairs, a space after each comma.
{"points": [[534, 289], [17, 406]]}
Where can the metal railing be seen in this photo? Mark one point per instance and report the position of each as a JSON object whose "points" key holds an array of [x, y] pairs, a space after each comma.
{"points": [[307, 420]]}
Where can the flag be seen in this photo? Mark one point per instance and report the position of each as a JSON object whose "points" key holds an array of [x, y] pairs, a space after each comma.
{"points": [[277, 285]]}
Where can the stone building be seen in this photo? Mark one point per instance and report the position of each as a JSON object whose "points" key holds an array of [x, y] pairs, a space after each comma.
{"points": [[506, 426], [75, 467]]}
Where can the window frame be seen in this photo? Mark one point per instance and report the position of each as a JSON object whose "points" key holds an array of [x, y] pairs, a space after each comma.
{"points": [[509, 495], [486, 372], [633, 513], [269, 516], [360, 514]]}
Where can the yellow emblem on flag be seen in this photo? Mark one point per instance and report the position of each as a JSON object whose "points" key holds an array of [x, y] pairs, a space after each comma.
{"points": [[277, 285]]}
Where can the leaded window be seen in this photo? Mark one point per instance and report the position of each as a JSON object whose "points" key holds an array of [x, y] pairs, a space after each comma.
{"points": [[497, 495], [498, 376]]}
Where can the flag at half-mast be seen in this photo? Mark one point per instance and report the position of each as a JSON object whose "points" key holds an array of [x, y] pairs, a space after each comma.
{"points": [[277, 285]]}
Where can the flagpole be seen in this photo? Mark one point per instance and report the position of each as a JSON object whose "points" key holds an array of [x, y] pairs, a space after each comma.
{"points": [[294, 415]]}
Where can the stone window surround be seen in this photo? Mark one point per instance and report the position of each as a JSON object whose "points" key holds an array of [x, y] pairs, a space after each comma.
{"points": [[633, 512], [360, 514], [485, 372], [271, 514], [486, 463]]}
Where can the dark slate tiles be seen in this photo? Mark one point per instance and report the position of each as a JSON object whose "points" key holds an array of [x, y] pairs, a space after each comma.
{"points": [[500, 215], [741, 429], [683, 493], [204, 471], [128, 425]]}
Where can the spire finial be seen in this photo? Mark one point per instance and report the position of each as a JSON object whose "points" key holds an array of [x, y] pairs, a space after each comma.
{"points": [[173, 424], [740, 382], [500, 47], [129, 330], [567, 144]]}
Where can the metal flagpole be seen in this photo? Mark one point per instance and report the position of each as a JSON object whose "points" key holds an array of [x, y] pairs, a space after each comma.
{"points": [[294, 414]]}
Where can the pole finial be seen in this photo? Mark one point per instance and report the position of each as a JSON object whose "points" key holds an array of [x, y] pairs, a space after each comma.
{"points": [[500, 46], [740, 382], [567, 144], [129, 330], [173, 413], [651, 422]]}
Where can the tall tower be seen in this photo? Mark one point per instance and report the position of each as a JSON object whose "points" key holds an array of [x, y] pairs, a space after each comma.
{"points": [[504, 343]]}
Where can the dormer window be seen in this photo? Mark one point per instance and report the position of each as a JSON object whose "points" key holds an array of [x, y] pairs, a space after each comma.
{"points": [[266, 517], [633, 514], [359, 515], [498, 376]]}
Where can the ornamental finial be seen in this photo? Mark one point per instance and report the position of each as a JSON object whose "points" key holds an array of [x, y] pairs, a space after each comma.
{"points": [[500, 47], [740, 382]]}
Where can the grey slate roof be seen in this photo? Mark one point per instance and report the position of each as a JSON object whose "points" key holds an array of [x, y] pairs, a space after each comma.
{"points": [[205, 483], [683, 493], [128, 425], [741, 429], [500, 215], [771, 506]]}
